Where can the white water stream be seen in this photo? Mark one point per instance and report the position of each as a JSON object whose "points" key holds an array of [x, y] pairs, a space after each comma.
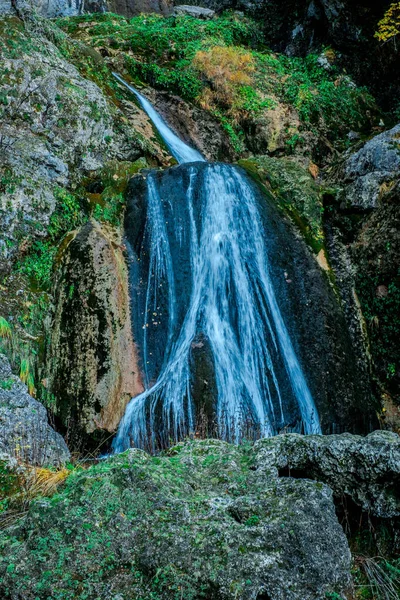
{"points": [[232, 303]]}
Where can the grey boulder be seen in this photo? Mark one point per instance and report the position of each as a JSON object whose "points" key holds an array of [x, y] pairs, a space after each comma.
{"points": [[373, 170], [194, 11], [365, 469], [25, 433]]}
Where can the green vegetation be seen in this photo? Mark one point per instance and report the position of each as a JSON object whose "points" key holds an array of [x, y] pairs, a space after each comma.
{"points": [[5, 329], [295, 191], [382, 315], [38, 264], [109, 202], [8, 485], [224, 66]]}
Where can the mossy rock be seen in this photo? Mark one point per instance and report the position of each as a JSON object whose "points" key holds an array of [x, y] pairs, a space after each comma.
{"points": [[195, 523], [295, 191]]}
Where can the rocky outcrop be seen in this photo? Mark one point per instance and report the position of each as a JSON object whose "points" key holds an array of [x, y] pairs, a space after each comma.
{"points": [[55, 128], [69, 8], [362, 232], [92, 367], [25, 433], [194, 11], [367, 470], [375, 255], [194, 125], [199, 523], [373, 171], [47, 8]]}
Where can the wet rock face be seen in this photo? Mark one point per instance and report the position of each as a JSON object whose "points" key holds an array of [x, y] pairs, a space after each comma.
{"points": [[91, 363], [25, 433], [367, 470], [310, 308], [373, 170], [194, 125], [201, 522]]}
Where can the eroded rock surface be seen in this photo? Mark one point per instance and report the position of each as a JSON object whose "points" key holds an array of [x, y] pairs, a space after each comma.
{"points": [[56, 127], [48, 8], [365, 469], [373, 170], [25, 433], [92, 361]]}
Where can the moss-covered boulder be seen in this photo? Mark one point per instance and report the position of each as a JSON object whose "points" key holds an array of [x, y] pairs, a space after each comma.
{"points": [[295, 190], [198, 523], [91, 366]]}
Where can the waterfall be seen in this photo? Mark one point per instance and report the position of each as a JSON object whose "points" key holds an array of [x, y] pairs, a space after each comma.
{"points": [[179, 150], [203, 269]]}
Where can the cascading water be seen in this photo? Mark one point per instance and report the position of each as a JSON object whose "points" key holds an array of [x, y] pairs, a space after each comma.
{"points": [[179, 150], [203, 269]]}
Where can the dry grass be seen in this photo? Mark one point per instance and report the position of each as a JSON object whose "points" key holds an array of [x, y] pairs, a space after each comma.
{"points": [[226, 68], [32, 483], [46, 482], [382, 579]]}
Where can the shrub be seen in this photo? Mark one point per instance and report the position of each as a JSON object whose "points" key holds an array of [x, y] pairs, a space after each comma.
{"points": [[389, 26]]}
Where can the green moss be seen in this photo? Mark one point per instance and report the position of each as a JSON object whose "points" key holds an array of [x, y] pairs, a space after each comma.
{"points": [[382, 314], [108, 205], [295, 191], [38, 264]]}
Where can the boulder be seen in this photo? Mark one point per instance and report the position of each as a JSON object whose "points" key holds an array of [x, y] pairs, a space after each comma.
{"points": [[47, 8], [372, 171], [367, 470], [25, 433], [194, 11], [197, 523], [92, 365]]}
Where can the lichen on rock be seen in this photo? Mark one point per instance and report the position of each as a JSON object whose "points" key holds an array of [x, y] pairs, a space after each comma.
{"points": [[196, 523]]}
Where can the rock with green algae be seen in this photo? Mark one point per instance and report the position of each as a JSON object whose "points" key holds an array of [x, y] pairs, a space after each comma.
{"points": [[365, 469], [92, 363], [198, 522], [295, 191]]}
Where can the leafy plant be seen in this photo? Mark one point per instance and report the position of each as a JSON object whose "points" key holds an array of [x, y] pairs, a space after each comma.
{"points": [[389, 26]]}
